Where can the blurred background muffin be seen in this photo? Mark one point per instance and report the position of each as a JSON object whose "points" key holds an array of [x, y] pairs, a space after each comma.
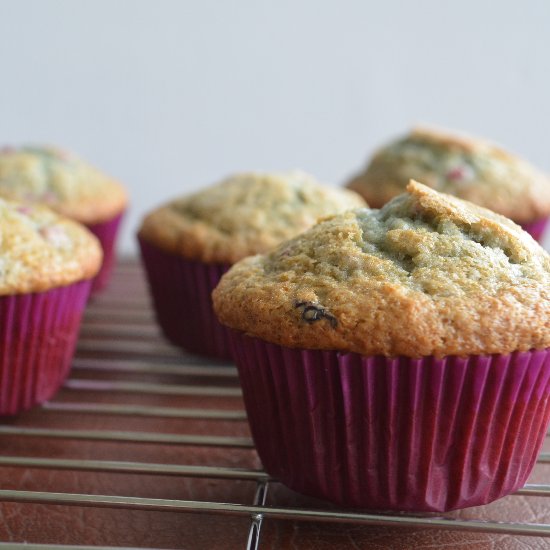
{"points": [[189, 243], [69, 186], [472, 169], [400, 357], [47, 263]]}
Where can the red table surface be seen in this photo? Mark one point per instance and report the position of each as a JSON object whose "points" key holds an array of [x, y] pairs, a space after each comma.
{"points": [[119, 330]]}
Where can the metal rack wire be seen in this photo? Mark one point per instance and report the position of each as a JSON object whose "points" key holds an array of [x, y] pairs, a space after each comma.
{"points": [[119, 339]]}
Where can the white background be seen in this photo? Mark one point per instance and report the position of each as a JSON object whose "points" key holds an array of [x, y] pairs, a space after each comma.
{"points": [[169, 96]]}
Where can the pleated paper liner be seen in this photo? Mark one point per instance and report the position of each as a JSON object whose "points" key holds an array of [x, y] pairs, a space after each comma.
{"points": [[107, 233], [181, 291], [395, 434], [536, 229], [38, 334]]}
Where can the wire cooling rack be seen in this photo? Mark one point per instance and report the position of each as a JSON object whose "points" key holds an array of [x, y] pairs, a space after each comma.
{"points": [[131, 395]]}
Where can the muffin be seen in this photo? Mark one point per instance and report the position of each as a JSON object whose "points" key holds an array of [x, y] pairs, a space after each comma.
{"points": [[72, 188], [47, 264], [396, 359], [471, 169], [190, 242]]}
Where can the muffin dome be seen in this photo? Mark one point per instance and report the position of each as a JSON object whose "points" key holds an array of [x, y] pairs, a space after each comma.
{"points": [[243, 215], [61, 180], [470, 169], [40, 250], [428, 274]]}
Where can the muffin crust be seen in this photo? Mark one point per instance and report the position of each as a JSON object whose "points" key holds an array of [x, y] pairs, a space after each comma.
{"points": [[61, 180], [428, 274], [40, 250], [469, 168], [245, 214]]}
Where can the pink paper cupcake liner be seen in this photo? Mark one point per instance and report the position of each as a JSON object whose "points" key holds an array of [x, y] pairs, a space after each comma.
{"points": [[38, 334], [395, 433], [181, 291], [536, 229], [106, 232]]}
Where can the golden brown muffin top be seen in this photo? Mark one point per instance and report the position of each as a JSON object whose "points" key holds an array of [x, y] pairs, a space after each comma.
{"points": [[428, 274], [469, 168], [62, 181], [245, 214], [40, 250]]}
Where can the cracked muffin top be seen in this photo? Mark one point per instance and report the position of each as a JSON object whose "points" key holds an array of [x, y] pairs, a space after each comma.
{"points": [[40, 250], [428, 274], [468, 168], [62, 181], [245, 214]]}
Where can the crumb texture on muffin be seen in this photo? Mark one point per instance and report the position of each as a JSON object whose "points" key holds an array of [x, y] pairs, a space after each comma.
{"points": [[61, 180], [469, 168], [428, 274], [40, 250], [245, 214]]}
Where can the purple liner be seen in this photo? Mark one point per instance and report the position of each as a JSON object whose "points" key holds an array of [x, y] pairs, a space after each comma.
{"points": [[106, 232], [395, 433], [181, 291], [536, 228], [38, 334]]}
